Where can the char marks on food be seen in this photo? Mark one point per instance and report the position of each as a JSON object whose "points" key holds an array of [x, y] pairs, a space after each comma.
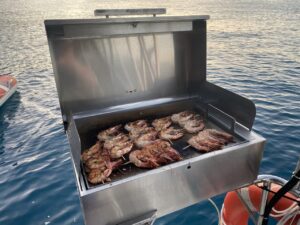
{"points": [[191, 122], [155, 154], [109, 133], [98, 163], [147, 147], [210, 140], [171, 133], [136, 125], [162, 123]]}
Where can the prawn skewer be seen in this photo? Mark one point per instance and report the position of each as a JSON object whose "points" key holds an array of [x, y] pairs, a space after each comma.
{"points": [[162, 123], [109, 133], [155, 154], [171, 133], [209, 140]]}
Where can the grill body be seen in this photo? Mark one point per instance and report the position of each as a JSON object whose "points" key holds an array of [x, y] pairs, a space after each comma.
{"points": [[111, 71]]}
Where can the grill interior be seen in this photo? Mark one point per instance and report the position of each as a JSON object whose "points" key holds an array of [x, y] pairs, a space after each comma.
{"points": [[90, 126]]}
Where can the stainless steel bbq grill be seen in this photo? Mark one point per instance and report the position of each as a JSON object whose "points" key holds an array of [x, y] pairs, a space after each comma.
{"points": [[111, 71]]}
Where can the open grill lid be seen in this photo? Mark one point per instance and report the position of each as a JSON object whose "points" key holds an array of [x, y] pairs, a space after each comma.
{"points": [[103, 63]]}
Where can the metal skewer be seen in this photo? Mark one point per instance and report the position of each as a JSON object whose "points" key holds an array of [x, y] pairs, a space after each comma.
{"points": [[186, 147], [126, 163], [170, 141]]}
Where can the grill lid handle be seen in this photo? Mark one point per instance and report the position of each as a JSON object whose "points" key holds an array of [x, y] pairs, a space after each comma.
{"points": [[129, 12]]}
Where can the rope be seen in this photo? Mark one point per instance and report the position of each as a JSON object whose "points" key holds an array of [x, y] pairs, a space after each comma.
{"points": [[222, 222], [280, 213], [284, 196], [291, 215], [218, 211]]}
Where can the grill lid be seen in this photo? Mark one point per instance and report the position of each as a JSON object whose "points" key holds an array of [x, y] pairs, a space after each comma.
{"points": [[102, 63]]}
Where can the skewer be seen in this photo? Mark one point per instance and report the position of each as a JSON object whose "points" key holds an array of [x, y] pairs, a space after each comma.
{"points": [[186, 147], [170, 141], [123, 157], [126, 163], [121, 171]]}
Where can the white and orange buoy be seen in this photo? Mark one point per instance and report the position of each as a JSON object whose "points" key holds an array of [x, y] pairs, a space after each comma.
{"points": [[234, 212], [8, 86]]}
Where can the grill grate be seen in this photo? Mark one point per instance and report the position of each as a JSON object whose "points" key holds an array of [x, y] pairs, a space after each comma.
{"points": [[180, 145]]}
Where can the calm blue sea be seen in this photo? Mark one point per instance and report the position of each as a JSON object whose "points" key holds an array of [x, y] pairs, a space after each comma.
{"points": [[253, 49]]}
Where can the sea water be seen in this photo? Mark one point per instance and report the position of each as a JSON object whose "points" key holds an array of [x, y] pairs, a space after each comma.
{"points": [[253, 50]]}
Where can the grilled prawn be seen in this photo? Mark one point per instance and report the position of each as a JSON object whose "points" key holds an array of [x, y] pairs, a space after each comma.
{"points": [[182, 116], [138, 124], [146, 138], [171, 133], [120, 138], [109, 133], [210, 139], [143, 159], [162, 123], [100, 175], [121, 149], [193, 125], [92, 152], [155, 154]]}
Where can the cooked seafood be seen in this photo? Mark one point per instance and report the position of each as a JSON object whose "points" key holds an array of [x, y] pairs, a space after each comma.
{"points": [[162, 123], [143, 159], [102, 174], [98, 164], [163, 152], [118, 146], [182, 116], [155, 154], [138, 124], [202, 144], [120, 138], [190, 121], [209, 140], [221, 136], [95, 163], [171, 133], [109, 133], [146, 138], [135, 133], [92, 152], [193, 125], [121, 149]]}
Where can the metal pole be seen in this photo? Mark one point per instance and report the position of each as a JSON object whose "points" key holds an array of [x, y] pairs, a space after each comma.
{"points": [[263, 202], [251, 214]]}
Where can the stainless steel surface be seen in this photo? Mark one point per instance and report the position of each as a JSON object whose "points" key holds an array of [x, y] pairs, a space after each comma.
{"points": [[250, 212], [146, 219], [263, 202], [50, 24], [107, 62], [240, 108], [275, 180], [173, 187], [111, 71], [129, 12], [143, 191], [89, 126], [271, 179]]}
